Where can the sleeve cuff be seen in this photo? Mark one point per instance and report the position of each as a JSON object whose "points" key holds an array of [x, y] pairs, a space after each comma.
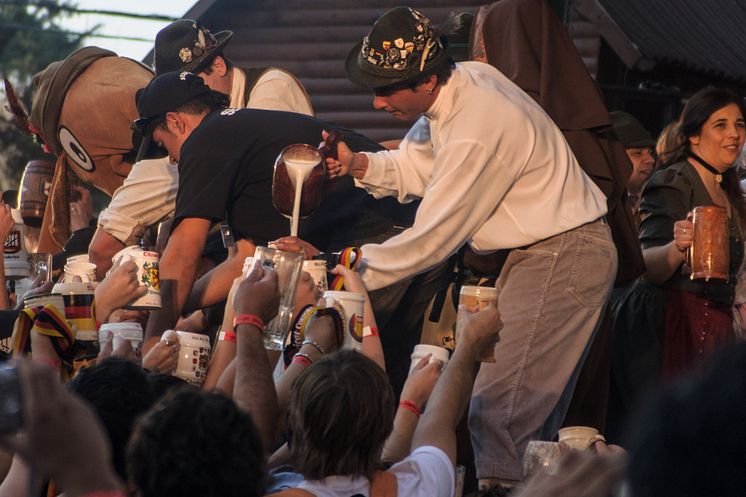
{"points": [[124, 228]]}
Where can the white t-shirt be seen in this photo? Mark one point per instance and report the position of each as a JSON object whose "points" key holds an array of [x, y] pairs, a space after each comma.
{"points": [[427, 472]]}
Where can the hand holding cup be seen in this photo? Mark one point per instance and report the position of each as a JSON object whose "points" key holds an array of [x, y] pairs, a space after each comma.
{"points": [[421, 380], [340, 166], [258, 294], [323, 331], [118, 289], [683, 234], [295, 245], [164, 355], [480, 331]]}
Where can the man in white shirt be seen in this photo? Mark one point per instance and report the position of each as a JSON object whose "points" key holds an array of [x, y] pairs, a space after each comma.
{"points": [[148, 195], [493, 171]]}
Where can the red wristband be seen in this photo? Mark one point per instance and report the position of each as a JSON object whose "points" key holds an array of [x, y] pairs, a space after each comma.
{"points": [[228, 336], [251, 319], [370, 331], [410, 406], [301, 358]]}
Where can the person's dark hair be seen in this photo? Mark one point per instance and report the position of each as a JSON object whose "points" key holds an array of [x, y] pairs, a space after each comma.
{"points": [[162, 384], [118, 392], [205, 104], [10, 197], [341, 411], [443, 72], [457, 28], [206, 66], [690, 440], [196, 444], [696, 112]]}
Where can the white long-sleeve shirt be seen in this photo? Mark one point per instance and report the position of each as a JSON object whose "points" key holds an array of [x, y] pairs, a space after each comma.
{"points": [[492, 170]]}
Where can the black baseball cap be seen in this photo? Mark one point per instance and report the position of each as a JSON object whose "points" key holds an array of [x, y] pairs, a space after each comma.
{"points": [[166, 93]]}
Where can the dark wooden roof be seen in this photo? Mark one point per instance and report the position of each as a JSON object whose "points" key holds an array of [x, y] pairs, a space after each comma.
{"points": [[705, 36], [311, 38]]}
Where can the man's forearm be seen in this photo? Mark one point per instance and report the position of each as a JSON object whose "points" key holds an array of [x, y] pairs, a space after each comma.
{"points": [[178, 269], [359, 165], [254, 390], [214, 286], [102, 248], [447, 404]]}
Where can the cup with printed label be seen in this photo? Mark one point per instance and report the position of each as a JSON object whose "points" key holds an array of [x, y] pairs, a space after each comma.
{"points": [[194, 355], [353, 305], [148, 275]]}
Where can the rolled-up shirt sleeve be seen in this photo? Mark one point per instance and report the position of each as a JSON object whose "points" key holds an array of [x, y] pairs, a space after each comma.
{"points": [[147, 196]]}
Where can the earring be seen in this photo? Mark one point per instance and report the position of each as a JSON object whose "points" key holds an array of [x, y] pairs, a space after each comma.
{"points": [[430, 91]]}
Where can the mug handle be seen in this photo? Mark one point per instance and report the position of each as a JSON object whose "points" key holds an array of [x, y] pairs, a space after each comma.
{"points": [[594, 439]]}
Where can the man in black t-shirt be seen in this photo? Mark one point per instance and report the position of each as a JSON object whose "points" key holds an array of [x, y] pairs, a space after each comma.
{"points": [[226, 159]]}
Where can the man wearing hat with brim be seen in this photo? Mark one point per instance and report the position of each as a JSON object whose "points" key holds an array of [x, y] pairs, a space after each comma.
{"points": [[149, 192], [638, 143], [184, 45], [493, 171]]}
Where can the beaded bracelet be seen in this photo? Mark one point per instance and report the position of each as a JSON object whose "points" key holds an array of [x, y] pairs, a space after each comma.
{"points": [[251, 319], [410, 406], [314, 343]]}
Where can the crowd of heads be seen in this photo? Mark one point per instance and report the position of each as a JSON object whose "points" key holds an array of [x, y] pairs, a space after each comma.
{"points": [[334, 413]]}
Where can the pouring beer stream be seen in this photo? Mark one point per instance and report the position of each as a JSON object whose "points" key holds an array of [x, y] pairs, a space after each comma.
{"points": [[299, 175]]}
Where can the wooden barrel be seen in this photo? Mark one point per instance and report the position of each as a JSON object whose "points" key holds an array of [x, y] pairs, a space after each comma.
{"points": [[34, 191]]}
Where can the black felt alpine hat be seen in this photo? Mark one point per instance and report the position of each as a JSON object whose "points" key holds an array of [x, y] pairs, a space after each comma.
{"points": [[184, 45], [164, 94], [630, 131], [401, 48]]}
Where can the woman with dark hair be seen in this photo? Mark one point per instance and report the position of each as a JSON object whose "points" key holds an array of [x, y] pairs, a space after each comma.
{"points": [[668, 322]]}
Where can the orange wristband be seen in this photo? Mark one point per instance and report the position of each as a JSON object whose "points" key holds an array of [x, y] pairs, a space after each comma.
{"points": [[251, 319], [410, 406], [228, 336]]}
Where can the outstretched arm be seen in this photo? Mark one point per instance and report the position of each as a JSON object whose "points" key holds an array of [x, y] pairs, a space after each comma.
{"points": [[449, 398], [254, 391], [178, 269]]}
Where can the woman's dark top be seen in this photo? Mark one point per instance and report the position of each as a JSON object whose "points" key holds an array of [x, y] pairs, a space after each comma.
{"points": [[669, 196]]}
